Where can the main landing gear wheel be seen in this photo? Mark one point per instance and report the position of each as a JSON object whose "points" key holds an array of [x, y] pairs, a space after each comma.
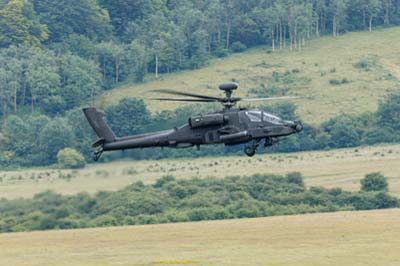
{"points": [[250, 151]]}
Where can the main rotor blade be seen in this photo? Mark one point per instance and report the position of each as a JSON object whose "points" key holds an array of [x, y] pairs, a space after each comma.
{"points": [[183, 100], [269, 98], [188, 94]]}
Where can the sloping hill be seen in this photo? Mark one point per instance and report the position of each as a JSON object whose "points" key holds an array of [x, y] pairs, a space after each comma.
{"points": [[349, 73], [342, 238]]}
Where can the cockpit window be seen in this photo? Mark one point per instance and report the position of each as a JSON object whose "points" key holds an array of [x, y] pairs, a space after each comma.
{"points": [[254, 116], [271, 119]]}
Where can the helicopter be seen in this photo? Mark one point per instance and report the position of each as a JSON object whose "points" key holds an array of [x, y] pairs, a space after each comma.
{"points": [[230, 126]]}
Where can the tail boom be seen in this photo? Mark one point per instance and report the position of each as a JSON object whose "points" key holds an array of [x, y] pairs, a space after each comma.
{"points": [[109, 142], [156, 139]]}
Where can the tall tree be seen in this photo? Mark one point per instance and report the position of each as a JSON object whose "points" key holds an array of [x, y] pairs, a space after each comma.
{"points": [[5, 94], [55, 136], [64, 17], [80, 80], [213, 11], [123, 12], [15, 75], [128, 117], [137, 57], [19, 24], [268, 19], [387, 7], [113, 62], [319, 7], [374, 7], [338, 10], [42, 77], [229, 16]]}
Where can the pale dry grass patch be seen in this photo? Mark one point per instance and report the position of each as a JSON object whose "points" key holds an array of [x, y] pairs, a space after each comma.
{"points": [[334, 168], [342, 238]]}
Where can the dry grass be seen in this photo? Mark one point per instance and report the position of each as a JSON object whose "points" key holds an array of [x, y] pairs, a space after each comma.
{"points": [[342, 238], [336, 168], [322, 60]]}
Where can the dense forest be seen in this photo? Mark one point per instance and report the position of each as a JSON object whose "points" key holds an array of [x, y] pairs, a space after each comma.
{"points": [[181, 200], [56, 56]]}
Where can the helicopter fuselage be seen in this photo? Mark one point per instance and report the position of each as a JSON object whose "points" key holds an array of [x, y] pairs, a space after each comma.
{"points": [[229, 127]]}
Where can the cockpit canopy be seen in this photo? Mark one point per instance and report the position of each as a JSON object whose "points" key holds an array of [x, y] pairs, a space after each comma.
{"points": [[260, 116]]}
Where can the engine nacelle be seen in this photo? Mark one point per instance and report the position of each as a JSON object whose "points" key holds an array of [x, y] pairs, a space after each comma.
{"points": [[207, 120]]}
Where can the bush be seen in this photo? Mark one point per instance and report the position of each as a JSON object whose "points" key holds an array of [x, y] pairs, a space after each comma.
{"points": [[164, 180], [365, 63], [238, 47], [334, 82], [70, 158], [374, 182], [104, 220], [295, 178], [221, 52], [339, 81], [388, 113]]}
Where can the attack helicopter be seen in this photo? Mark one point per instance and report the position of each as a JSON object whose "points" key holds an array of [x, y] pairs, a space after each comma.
{"points": [[230, 126]]}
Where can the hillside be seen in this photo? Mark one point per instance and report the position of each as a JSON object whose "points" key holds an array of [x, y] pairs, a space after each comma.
{"points": [[365, 64], [335, 168], [342, 238]]}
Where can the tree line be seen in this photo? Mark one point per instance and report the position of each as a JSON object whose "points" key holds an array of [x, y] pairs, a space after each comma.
{"points": [[180, 200], [82, 47]]}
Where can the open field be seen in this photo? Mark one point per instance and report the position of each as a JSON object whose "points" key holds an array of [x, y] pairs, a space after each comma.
{"points": [[341, 238], [336, 168], [321, 61]]}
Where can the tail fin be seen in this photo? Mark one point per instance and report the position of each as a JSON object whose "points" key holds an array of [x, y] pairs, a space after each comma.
{"points": [[98, 124]]}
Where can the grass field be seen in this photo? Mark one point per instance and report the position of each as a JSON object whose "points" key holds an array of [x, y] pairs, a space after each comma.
{"points": [[321, 61], [336, 168], [341, 238]]}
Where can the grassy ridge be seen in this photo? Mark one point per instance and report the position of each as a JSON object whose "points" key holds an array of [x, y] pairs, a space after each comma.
{"points": [[336, 168], [322, 64], [342, 238]]}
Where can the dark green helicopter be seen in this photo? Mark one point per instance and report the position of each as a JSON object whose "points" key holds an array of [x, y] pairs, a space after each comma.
{"points": [[230, 126]]}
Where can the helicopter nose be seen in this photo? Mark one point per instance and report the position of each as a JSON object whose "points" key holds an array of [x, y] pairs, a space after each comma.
{"points": [[294, 125], [298, 126]]}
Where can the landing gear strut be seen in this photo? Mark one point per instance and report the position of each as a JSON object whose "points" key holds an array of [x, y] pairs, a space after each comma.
{"points": [[251, 150], [97, 154], [270, 141]]}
